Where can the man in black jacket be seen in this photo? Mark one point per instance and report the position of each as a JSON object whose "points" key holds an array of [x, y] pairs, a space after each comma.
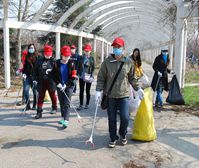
{"points": [[43, 77]]}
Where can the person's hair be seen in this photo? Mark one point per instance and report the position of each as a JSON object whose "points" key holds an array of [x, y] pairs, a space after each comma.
{"points": [[28, 54], [138, 58]]}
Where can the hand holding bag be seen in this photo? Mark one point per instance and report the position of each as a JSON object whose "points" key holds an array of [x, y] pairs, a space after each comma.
{"points": [[104, 103], [88, 78]]}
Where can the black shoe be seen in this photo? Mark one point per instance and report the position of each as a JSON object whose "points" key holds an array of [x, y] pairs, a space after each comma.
{"points": [[123, 140], [112, 143], [86, 106], [27, 108], [33, 108], [80, 108], [39, 114]]}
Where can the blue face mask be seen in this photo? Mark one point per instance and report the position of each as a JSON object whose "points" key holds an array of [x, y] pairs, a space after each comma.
{"points": [[117, 51], [31, 50]]}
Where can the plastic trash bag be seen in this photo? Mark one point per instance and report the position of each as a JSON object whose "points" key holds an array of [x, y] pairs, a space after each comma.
{"points": [[175, 96], [144, 129], [143, 81], [134, 100]]}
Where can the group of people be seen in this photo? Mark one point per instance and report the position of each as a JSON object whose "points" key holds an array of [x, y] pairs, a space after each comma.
{"points": [[46, 73]]}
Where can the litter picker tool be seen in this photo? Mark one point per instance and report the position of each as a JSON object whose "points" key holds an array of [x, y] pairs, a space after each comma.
{"points": [[90, 140], [78, 116]]}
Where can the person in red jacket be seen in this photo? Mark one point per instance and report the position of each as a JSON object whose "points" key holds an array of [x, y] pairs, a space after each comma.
{"points": [[64, 76], [43, 78]]}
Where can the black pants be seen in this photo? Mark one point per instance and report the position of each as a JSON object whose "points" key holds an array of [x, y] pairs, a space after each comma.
{"points": [[64, 102], [81, 94]]}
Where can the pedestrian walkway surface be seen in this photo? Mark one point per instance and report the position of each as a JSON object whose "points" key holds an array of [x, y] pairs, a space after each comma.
{"points": [[29, 143]]}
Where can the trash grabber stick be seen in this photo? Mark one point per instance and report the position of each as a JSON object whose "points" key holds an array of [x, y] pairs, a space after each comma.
{"points": [[78, 116], [90, 140], [17, 96], [155, 91]]}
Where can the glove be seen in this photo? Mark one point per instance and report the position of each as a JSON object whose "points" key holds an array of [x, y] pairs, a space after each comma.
{"points": [[140, 94], [63, 87], [35, 83], [172, 72], [24, 76], [48, 70], [159, 74], [59, 86], [18, 72], [98, 96]]}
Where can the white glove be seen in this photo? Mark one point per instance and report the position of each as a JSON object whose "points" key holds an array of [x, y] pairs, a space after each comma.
{"points": [[18, 72], [48, 70], [35, 83], [98, 96], [159, 74], [24, 76], [172, 72], [140, 94], [63, 87]]}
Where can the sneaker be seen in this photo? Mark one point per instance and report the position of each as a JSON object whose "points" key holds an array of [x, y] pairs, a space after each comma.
{"points": [[65, 124], [123, 140], [112, 144], [33, 108], [26, 108], [61, 121], [86, 106], [53, 111], [80, 108]]}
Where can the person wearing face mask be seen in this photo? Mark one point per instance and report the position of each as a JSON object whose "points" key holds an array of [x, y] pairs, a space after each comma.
{"points": [[86, 65], [118, 97], [64, 77], [27, 74], [43, 78], [75, 58], [160, 78]]}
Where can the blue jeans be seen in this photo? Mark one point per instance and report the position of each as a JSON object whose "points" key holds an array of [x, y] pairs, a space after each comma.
{"points": [[64, 102], [159, 98], [27, 84], [123, 106]]}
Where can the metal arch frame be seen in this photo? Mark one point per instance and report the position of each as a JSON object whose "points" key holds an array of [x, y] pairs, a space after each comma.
{"points": [[139, 10], [41, 10], [129, 23], [103, 3], [149, 34], [71, 10], [102, 20]]}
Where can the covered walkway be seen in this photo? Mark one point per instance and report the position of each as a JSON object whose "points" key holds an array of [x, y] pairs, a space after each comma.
{"points": [[144, 24]]}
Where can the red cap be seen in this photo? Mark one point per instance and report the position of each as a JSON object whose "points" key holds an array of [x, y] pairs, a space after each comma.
{"points": [[73, 47], [87, 47], [65, 51], [48, 50], [118, 41]]}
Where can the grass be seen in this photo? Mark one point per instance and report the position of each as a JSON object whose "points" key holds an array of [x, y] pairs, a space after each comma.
{"points": [[192, 76], [191, 96]]}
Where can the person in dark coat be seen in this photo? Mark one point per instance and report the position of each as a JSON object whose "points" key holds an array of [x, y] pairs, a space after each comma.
{"points": [[27, 72], [160, 78], [64, 75], [43, 78], [75, 57], [86, 66]]}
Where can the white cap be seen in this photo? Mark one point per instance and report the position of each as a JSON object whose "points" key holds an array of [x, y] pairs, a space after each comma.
{"points": [[164, 48]]}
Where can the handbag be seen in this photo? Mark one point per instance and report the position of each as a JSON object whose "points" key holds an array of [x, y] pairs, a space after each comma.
{"points": [[104, 102], [88, 78]]}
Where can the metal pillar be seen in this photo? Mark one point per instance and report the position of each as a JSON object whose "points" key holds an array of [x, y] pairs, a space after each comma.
{"points": [[102, 52], [57, 45], [94, 45], [171, 56], [6, 45], [80, 45], [180, 44]]}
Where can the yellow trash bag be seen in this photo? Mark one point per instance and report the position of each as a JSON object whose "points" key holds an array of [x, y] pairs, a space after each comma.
{"points": [[144, 129], [47, 97]]}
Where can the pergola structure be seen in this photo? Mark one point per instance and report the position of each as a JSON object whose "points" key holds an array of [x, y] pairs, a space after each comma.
{"points": [[137, 21]]}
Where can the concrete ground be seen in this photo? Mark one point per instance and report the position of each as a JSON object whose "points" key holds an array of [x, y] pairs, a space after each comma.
{"points": [[29, 143]]}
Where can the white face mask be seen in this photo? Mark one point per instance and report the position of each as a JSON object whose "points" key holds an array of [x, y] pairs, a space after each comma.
{"points": [[47, 57], [87, 53], [65, 59], [73, 51]]}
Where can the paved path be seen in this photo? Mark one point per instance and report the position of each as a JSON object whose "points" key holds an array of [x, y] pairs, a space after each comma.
{"points": [[29, 143]]}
